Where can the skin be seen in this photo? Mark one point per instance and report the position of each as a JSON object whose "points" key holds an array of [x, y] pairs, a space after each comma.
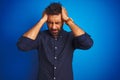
{"points": [[54, 23]]}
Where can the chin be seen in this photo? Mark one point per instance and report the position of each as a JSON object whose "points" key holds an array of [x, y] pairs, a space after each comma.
{"points": [[54, 34]]}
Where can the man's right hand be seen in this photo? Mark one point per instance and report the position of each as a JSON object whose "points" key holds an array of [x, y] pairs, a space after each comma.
{"points": [[33, 32], [44, 17]]}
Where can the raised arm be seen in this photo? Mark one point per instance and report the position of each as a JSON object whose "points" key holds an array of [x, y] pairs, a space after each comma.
{"points": [[29, 40], [81, 39], [77, 31], [33, 32]]}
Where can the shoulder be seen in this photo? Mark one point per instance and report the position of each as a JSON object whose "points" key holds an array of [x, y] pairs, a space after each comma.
{"points": [[68, 35], [45, 32], [67, 32], [42, 34]]}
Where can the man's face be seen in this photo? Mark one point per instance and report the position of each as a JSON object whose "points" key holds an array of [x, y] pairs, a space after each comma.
{"points": [[55, 24]]}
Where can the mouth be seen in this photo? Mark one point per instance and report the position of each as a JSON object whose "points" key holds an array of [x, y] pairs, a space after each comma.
{"points": [[54, 32]]}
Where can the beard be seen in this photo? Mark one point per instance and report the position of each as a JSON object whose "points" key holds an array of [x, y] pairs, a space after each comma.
{"points": [[54, 32]]}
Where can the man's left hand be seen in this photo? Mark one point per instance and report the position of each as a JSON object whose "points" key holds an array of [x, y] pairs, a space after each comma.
{"points": [[64, 14]]}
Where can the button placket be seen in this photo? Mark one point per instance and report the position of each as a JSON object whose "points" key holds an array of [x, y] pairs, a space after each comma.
{"points": [[55, 58]]}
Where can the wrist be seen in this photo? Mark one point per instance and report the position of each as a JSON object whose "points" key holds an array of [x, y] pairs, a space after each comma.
{"points": [[43, 20], [68, 20], [65, 19]]}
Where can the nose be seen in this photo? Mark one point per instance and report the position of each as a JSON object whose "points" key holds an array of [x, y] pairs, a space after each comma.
{"points": [[54, 26]]}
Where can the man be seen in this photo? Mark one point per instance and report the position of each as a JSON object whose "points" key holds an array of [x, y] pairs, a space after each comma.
{"points": [[55, 45]]}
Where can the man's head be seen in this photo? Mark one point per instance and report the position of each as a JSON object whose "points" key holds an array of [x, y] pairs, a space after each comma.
{"points": [[54, 9], [54, 21]]}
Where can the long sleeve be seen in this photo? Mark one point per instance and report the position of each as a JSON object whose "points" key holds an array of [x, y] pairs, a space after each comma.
{"points": [[83, 42], [26, 44]]}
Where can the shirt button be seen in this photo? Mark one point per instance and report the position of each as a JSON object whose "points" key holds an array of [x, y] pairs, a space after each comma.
{"points": [[54, 78], [55, 67], [55, 57], [55, 38], [55, 47]]}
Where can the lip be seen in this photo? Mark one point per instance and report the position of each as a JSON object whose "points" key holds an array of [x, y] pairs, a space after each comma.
{"points": [[54, 31]]}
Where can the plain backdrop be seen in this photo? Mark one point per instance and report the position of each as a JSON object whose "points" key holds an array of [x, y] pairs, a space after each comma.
{"points": [[99, 18]]}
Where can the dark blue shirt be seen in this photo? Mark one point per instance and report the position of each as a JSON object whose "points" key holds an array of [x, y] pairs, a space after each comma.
{"points": [[55, 54]]}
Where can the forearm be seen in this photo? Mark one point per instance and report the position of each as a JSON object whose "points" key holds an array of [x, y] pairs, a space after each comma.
{"points": [[33, 32], [77, 31]]}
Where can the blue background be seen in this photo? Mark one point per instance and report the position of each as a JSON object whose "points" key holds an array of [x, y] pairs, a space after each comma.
{"points": [[100, 18]]}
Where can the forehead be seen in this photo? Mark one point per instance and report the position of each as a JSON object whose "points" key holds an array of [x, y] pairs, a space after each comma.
{"points": [[55, 17]]}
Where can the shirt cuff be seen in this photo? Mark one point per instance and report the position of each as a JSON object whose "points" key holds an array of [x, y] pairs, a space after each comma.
{"points": [[83, 37]]}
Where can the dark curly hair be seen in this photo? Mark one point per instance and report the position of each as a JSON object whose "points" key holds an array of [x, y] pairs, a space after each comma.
{"points": [[54, 9]]}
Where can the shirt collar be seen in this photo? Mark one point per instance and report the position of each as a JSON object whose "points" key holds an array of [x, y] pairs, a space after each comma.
{"points": [[61, 34]]}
